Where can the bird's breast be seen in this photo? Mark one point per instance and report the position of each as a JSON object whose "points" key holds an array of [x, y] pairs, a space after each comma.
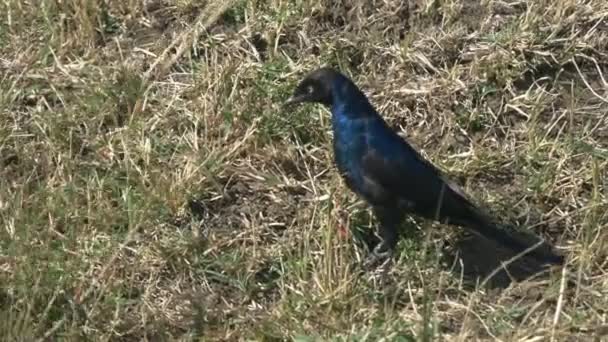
{"points": [[349, 147]]}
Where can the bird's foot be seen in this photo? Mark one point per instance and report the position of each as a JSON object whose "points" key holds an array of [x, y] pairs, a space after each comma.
{"points": [[379, 258]]}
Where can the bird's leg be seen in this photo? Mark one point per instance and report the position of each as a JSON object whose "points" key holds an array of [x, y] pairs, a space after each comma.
{"points": [[389, 234]]}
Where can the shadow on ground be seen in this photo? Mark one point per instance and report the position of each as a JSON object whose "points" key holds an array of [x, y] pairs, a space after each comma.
{"points": [[474, 257], [478, 258]]}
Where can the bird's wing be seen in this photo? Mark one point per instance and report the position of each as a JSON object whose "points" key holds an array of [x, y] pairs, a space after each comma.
{"points": [[383, 178], [413, 180]]}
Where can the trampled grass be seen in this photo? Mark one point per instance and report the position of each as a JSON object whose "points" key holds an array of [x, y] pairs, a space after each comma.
{"points": [[153, 187]]}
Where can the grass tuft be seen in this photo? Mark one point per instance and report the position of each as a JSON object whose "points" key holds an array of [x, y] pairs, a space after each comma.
{"points": [[153, 187]]}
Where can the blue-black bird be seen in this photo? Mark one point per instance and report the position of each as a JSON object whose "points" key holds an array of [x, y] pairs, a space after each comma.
{"points": [[390, 175]]}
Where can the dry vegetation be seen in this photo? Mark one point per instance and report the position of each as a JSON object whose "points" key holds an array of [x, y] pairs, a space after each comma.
{"points": [[153, 187]]}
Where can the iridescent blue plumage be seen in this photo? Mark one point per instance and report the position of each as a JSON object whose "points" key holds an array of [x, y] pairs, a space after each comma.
{"points": [[389, 174]]}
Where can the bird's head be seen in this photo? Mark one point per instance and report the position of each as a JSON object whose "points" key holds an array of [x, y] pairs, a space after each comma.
{"points": [[316, 87]]}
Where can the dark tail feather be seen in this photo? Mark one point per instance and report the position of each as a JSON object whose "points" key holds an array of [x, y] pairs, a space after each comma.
{"points": [[515, 240], [519, 242]]}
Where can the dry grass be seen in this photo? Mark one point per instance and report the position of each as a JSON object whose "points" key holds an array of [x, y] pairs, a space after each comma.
{"points": [[153, 188]]}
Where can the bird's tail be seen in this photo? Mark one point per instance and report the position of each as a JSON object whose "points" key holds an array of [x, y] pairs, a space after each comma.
{"points": [[515, 240]]}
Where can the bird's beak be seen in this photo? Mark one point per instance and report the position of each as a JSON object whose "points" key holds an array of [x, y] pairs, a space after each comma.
{"points": [[294, 100]]}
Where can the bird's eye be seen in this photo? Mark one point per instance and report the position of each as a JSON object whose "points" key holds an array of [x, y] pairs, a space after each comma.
{"points": [[310, 89]]}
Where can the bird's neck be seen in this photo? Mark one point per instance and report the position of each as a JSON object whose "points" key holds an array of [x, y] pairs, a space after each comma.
{"points": [[349, 102]]}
